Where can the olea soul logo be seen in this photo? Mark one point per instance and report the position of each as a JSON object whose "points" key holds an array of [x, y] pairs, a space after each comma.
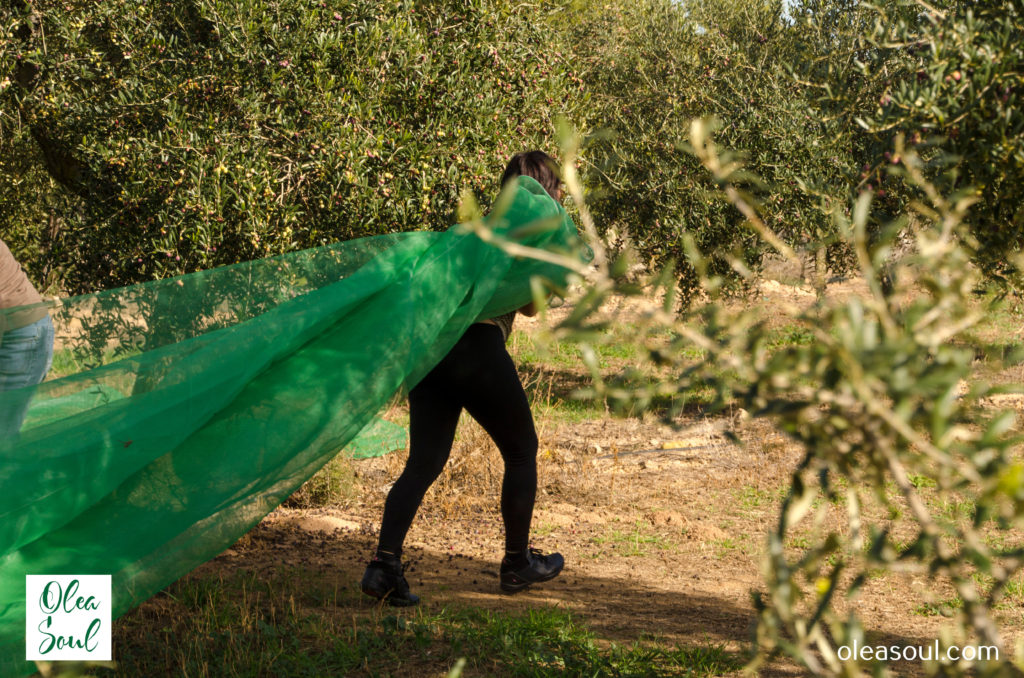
{"points": [[67, 617]]}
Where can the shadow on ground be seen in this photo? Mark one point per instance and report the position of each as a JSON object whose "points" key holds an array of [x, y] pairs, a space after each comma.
{"points": [[319, 573]]}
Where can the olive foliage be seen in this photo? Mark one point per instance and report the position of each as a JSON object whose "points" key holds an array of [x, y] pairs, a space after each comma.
{"points": [[144, 139]]}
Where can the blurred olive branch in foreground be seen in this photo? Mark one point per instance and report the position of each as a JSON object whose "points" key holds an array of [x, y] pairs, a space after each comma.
{"points": [[875, 400], [880, 403]]}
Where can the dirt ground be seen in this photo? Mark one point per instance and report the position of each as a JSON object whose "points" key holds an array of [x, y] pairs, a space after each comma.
{"points": [[650, 552], [662, 528]]}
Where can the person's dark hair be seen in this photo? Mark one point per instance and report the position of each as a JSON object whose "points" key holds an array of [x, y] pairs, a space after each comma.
{"points": [[538, 165]]}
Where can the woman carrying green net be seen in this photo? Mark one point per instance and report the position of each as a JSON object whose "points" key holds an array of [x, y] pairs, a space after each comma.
{"points": [[479, 376]]}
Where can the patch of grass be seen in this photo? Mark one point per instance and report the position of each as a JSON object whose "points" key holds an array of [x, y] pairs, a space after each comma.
{"points": [[837, 499], [556, 375], [995, 339], [631, 397], [900, 545], [799, 543], [692, 353], [249, 629], [996, 541], [67, 361], [545, 642], [64, 363], [750, 497], [568, 411], [636, 383], [954, 509], [1014, 591], [945, 608], [637, 541], [920, 481], [333, 485], [615, 350], [524, 348], [789, 335], [727, 544], [543, 529]]}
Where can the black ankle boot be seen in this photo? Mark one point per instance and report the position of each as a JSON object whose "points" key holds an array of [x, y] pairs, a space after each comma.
{"points": [[384, 579], [537, 568]]}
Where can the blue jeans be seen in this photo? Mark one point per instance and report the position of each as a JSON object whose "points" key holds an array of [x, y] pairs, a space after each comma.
{"points": [[25, 357]]}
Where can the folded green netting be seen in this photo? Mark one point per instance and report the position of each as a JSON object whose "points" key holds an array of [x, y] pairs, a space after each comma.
{"points": [[376, 439], [189, 408]]}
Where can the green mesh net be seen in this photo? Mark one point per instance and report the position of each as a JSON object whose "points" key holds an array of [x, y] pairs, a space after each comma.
{"points": [[182, 411]]}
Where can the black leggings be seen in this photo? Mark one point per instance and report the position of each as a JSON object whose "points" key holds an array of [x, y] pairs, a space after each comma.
{"points": [[478, 375]]}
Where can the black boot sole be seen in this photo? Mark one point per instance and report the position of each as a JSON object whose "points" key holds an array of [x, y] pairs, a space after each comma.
{"points": [[514, 588], [391, 600]]}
